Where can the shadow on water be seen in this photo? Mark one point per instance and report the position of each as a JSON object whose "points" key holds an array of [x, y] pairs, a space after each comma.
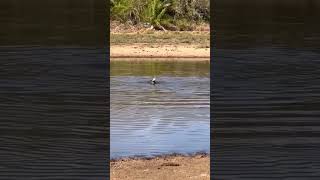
{"points": [[172, 116]]}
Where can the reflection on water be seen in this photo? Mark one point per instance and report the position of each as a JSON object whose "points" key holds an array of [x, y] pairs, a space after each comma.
{"points": [[172, 116], [160, 67], [266, 90]]}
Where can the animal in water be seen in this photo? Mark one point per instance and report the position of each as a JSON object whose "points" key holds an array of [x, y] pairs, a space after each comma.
{"points": [[153, 81]]}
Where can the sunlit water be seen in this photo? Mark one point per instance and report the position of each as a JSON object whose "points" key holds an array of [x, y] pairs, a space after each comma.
{"points": [[170, 117]]}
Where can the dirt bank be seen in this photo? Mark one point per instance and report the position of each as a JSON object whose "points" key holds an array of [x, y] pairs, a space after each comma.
{"points": [[158, 51], [164, 168], [160, 45]]}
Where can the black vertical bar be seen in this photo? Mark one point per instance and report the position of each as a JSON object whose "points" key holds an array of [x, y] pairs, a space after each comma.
{"points": [[54, 89]]}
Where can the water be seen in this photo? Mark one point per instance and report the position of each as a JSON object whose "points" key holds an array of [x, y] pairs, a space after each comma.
{"points": [[53, 23], [170, 117], [53, 113], [53, 85], [266, 90]]}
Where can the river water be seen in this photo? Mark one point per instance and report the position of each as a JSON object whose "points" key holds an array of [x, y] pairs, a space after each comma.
{"points": [[266, 90], [53, 90], [170, 117]]}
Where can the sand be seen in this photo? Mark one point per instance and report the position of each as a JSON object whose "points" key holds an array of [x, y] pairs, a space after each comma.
{"points": [[158, 51], [162, 168]]}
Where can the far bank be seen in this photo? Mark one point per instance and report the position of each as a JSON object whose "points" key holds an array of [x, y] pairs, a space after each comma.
{"points": [[158, 44]]}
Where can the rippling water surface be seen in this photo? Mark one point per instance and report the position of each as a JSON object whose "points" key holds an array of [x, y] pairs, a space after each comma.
{"points": [[53, 113], [172, 116], [266, 90], [53, 90]]}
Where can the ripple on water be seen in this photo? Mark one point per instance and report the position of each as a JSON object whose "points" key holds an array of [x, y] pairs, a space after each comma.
{"points": [[172, 116]]}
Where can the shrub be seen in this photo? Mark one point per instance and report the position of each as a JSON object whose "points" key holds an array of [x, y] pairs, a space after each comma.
{"points": [[162, 14]]}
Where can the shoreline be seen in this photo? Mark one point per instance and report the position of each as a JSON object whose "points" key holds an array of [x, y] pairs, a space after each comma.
{"points": [[159, 51], [154, 44], [170, 166], [161, 58], [164, 155]]}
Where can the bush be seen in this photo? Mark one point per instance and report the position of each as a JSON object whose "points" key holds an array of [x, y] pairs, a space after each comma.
{"points": [[183, 25], [126, 10], [155, 12], [162, 14]]}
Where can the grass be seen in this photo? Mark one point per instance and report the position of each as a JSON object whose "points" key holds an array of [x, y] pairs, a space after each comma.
{"points": [[174, 15], [202, 39]]}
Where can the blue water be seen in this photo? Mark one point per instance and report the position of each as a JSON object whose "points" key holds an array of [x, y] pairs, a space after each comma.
{"points": [[170, 117]]}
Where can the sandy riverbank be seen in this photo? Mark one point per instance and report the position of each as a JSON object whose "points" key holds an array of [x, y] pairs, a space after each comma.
{"points": [[160, 45], [158, 51], [174, 167]]}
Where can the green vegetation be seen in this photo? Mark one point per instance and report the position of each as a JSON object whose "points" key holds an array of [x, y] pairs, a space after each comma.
{"points": [[161, 14]]}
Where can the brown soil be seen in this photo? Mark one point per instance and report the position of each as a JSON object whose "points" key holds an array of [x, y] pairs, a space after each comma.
{"points": [[129, 41], [158, 51], [118, 27], [164, 168]]}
